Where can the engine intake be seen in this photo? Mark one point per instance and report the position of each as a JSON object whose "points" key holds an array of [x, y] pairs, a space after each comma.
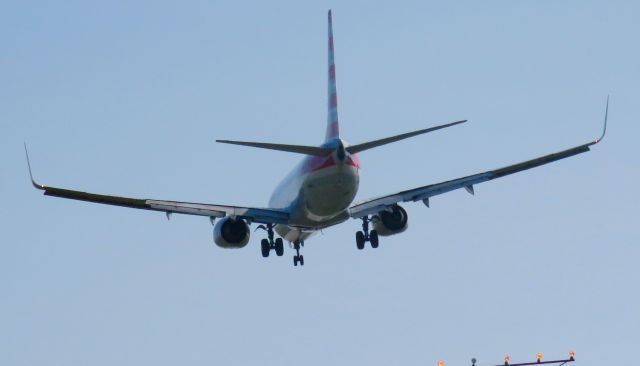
{"points": [[231, 233], [392, 221]]}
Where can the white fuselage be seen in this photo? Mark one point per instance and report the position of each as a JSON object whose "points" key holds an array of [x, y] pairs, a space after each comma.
{"points": [[317, 192]]}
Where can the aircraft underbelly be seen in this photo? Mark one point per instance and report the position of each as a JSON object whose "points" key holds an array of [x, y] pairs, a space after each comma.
{"points": [[292, 234], [323, 199], [328, 192]]}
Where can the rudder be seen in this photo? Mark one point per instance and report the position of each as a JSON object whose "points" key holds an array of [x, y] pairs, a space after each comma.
{"points": [[333, 127]]}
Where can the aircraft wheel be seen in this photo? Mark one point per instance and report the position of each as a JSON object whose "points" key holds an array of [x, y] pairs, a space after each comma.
{"points": [[279, 247], [360, 240], [373, 238], [301, 260], [264, 244], [295, 260]]}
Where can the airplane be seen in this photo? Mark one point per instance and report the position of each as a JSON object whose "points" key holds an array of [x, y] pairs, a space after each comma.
{"points": [[319, 191]]}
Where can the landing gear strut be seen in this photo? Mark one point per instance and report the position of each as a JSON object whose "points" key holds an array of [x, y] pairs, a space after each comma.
{"points": [[298, 258], [366, 235], [267, 244]]}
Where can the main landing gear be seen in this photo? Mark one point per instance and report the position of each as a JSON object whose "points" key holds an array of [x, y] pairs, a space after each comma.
{"points": [[366, 235], [267, 244], [298, 258], [277, 244]]}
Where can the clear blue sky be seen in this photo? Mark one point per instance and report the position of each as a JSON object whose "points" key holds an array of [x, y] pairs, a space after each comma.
{"points": [[127, 97]]}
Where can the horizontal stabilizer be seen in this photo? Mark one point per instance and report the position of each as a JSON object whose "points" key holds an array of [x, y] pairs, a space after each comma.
{"points": [[371, 144], [300, 149]]}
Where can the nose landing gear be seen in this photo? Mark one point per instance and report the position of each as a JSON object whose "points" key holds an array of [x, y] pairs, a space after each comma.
{"points": [[267, 244], [366, 235], [298, 258]]}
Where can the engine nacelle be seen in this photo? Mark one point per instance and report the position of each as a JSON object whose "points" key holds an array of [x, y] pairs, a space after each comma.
{"points": [[392, 221], [231, 233]]}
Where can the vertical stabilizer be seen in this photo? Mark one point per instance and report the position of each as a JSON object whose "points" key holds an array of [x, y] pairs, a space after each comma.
{"points": [[333, 127]]}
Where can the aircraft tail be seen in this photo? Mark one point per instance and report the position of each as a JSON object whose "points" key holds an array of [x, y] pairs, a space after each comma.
{"points": [[333, 127]]}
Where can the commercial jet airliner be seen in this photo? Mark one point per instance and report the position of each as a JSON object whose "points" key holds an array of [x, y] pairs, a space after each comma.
{"points": [[319, 192]]}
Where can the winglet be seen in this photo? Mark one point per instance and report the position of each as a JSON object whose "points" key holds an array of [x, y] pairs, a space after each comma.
{"points": [[35, 184], [604, 130]]}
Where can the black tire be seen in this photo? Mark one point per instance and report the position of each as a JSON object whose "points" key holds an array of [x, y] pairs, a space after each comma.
{"points": [[279, 247], [373, 239], [301, 260], [360, 240], [295, 260], [265, 247]]}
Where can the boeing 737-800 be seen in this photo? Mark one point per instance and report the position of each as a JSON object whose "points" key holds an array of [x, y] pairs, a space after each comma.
{"points": [[319, 192]]}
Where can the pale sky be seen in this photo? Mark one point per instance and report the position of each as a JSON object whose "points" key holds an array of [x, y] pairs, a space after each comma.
{"points": [[127, 98]]}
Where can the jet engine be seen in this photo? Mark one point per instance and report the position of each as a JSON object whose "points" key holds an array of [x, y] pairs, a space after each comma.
{"points": [[391, 221], [231, 233]]}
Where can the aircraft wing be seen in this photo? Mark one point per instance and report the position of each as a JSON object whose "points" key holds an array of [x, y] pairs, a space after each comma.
{"points": [[423, 193], [261, 215]]}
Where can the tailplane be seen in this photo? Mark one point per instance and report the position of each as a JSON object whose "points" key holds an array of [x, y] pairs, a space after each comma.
{"points": [[299, 149], [324, 151], [353, 149]]}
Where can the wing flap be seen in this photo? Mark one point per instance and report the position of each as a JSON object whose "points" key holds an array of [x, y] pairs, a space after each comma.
{"points": [[262, 215]]}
